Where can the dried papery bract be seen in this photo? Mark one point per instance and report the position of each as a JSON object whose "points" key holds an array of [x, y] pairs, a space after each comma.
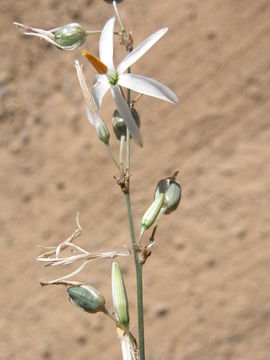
{"points": [[74, 254]]}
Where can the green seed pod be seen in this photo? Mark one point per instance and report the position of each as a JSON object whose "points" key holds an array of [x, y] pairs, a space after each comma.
{"points": [[152, 212], [118, 123], [86, 298], [172, 190], [120, 300], [69, 36]]}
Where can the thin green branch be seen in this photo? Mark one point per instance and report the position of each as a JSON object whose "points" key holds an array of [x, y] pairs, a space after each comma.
{"points": [[111, 155], [118, 16], [121, 164], [139, 282]]}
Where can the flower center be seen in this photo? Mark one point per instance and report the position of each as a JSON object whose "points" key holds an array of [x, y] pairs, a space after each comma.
{"points": [[113, 79]]}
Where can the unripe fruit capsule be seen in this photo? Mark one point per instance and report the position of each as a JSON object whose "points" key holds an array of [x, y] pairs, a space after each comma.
{"points": [[86, 298]]}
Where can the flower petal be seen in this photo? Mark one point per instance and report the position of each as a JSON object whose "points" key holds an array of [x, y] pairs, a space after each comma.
{"points": [[106, 44], [147, 86], [124, 110], [100, 87], [140, 50]]}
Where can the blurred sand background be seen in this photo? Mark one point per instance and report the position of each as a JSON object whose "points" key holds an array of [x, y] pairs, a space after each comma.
{"points": [[207, 284]]}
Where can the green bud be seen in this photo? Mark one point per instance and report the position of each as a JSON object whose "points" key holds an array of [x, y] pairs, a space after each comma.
{"points": [[152, 212], [120, 300], [118, 123], [69, 36], [172, 190], [86, 298]]}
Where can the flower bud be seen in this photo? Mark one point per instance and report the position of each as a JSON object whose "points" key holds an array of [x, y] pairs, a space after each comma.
{"points": [[151, 214], [172, 190], [86, 298], [69, 36], [118, 123], [120, 300]]}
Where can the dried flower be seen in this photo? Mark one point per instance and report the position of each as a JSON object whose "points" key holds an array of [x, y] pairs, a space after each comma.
{"points": [[75, 254], [92, 111]]}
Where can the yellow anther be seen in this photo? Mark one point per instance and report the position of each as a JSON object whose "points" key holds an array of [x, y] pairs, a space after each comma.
{"points": [[96, 62]]}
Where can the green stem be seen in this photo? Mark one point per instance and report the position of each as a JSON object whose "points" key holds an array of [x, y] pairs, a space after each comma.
{"points": [[122, 141], [112, 317], [128, 133], [111, 155], [118, 16], [138, 267], [98, 32]]}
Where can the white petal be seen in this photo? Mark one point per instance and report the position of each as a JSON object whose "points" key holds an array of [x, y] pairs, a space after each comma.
{"points": [[147, 86], [106, 44], [100, 87], [124, 110], [140, 50]]}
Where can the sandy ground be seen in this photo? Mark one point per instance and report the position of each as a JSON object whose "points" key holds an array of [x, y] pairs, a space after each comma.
{"points": [[207, 282]]}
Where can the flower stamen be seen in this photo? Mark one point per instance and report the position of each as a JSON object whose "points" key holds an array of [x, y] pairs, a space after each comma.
{"points": [[96, 62], [113, 79]]}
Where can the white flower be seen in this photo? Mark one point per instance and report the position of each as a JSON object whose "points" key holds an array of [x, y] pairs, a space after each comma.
{"points": [[112, 78]]}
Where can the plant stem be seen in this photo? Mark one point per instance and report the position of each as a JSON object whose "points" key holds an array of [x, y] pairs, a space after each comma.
{"points": [[122, 141], [118, 16], [98, 32], [111, 155], [138, 267]]}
